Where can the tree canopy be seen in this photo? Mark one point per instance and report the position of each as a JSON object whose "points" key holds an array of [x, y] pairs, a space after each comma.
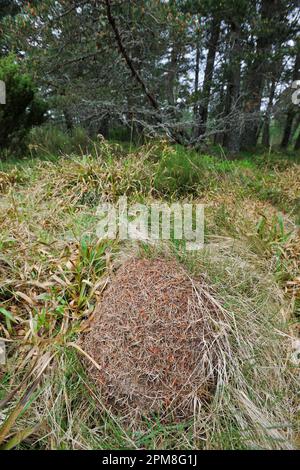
{"points": [[23, 109], [194, 71]]}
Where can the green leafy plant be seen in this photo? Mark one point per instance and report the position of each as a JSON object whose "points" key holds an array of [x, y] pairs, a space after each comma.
{"points": [[23, 108]]}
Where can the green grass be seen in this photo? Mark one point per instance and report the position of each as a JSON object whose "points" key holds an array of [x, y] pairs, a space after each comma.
{"points": [[53, 269]]}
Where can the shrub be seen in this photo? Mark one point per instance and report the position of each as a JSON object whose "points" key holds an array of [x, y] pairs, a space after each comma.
{"points": [[23, 109], [50, 140], [183, 171]]}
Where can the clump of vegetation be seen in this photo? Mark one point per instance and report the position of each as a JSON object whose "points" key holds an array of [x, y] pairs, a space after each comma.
{"points": [[49, 141], [23, 108], [152, 311]]}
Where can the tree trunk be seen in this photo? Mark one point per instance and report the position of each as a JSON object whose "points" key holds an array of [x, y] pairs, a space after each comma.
{"points": [[68, 119], [209, 69], [196, 85], [256, 77], [232, 134], [219, 135], [267, 119], [171, 81], [292, 111], [287, 129], [297, 143]]}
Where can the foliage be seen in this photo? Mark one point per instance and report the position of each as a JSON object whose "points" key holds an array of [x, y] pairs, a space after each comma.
{"points": [[23, 108], [49, 140], [137, 73]]}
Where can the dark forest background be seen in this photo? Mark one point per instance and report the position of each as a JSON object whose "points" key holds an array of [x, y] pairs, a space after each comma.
{"points": [[195, 72]]}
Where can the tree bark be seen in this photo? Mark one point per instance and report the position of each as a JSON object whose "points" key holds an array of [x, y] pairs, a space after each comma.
{"points": [[256, 77], [171, 75], [292, 111], [287, 129], [297, 143], [267, 119], [209, 69], [196, 83], [232, 135]]}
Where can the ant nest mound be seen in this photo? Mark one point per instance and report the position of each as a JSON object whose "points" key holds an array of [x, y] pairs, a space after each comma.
{"points": [[152, 342]]}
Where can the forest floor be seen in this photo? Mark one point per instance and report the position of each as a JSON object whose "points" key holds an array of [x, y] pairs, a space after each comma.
{"points": [[53, 269]]}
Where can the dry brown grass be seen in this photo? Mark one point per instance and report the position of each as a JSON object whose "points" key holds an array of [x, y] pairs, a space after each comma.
{"points": [[152, 341]]}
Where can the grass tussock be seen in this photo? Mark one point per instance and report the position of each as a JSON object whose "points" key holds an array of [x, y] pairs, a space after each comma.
{"points": [[53, 271]]}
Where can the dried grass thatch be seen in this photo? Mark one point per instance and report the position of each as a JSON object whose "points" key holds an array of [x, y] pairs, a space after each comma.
{"points": [[152, 340]]}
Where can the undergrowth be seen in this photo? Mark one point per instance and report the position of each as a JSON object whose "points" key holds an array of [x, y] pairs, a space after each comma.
{"points": [[53, 270]]}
